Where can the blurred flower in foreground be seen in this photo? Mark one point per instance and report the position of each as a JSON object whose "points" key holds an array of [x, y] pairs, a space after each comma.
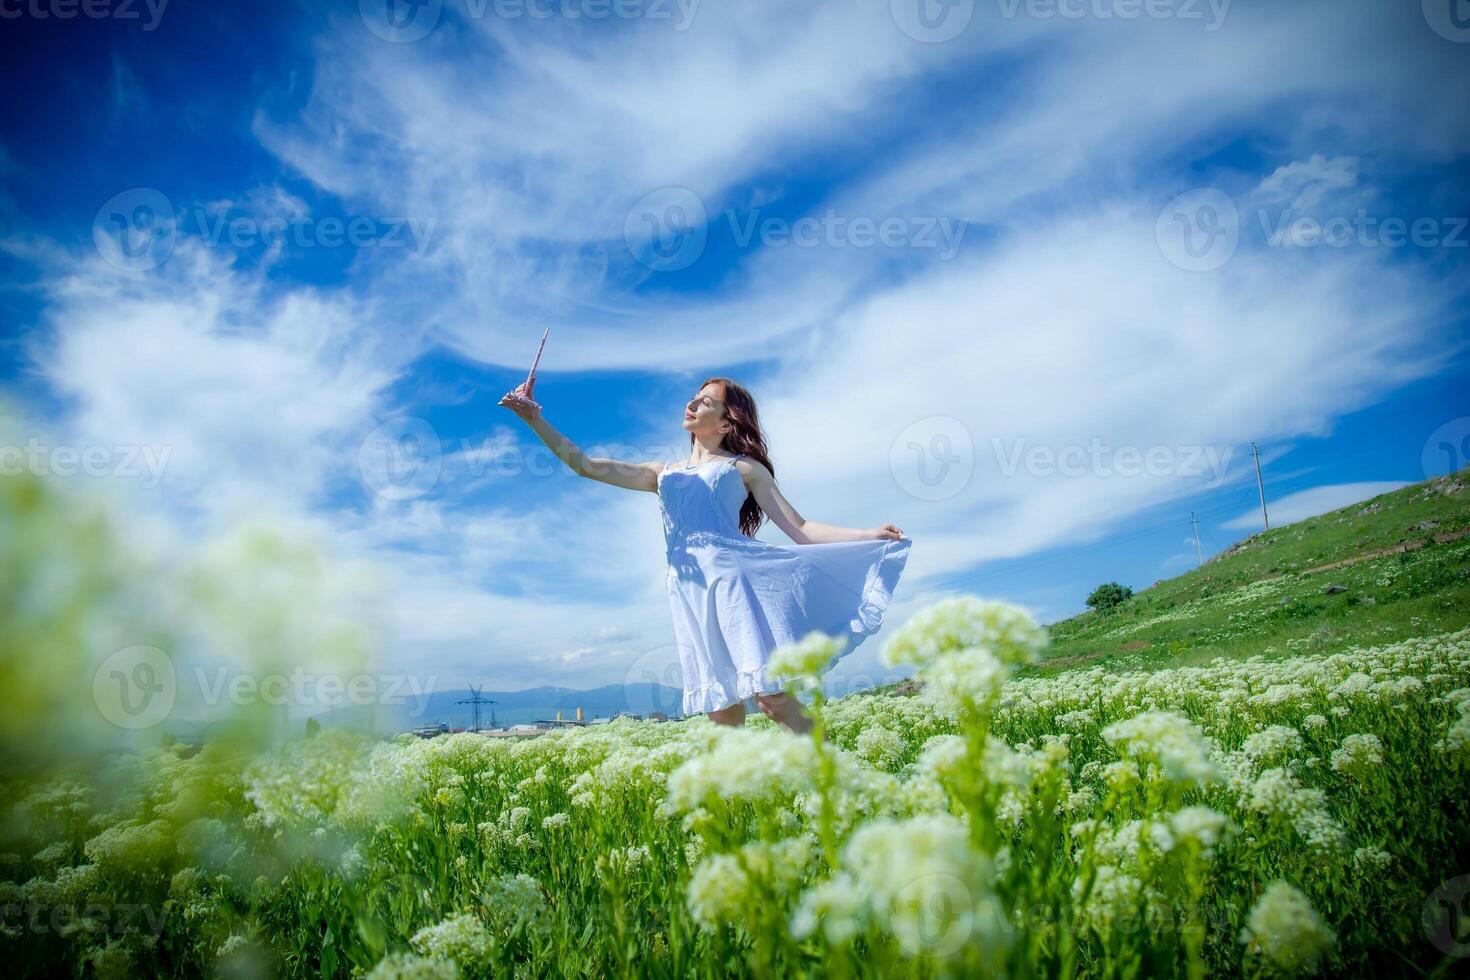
{"points": [[966, 648], [1285, 929], [110, 645], [803, 663]]}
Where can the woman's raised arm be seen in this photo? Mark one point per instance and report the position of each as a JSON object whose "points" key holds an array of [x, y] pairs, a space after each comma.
{"points": [[631, 476]]}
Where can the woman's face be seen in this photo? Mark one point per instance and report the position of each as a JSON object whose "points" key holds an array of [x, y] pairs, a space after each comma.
{"points": [[705, 412]]}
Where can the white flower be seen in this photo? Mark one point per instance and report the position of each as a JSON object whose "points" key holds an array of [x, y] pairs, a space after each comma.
{"points": [[964, 623], [723, 886], [1202, 825], [1358, 755], [745, 763], [960, 679], [1371, 859], [1285, 929], [512, 900], [837, 906], [623, 860], [1275, 744], [804, 662], [1456, 740], [1113, 894], [881, 746], [1170, 740], [462, 938], [408, 966], [925, 884]]}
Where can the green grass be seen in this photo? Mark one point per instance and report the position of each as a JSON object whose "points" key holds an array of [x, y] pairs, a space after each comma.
{"points": [[1256, 598]]}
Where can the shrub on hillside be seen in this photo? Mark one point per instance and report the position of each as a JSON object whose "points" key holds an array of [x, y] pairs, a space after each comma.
{"points": [[1108, 595]]}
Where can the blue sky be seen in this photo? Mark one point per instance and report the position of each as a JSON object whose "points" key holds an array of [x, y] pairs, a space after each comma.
{"points": [[967, 263]]}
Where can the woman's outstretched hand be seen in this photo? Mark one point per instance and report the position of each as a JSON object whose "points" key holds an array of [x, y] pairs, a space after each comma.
{"points": [[887, 531], [519, 400]]}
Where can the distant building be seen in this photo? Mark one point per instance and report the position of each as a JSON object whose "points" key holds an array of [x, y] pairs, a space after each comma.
{"points": [[519, 731]]}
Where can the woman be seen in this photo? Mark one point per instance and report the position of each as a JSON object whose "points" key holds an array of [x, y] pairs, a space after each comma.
{"points": [[735, 599]]}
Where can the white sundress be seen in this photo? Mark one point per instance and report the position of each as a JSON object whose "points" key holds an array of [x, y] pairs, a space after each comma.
{"points": [[736, 599]]}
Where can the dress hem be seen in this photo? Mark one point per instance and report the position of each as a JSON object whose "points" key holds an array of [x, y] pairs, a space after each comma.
{"points": [[876, 595], [748, 683], [878, 592]]}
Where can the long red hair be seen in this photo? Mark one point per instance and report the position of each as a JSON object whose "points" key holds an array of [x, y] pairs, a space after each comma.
{"points": [[746, 438]]}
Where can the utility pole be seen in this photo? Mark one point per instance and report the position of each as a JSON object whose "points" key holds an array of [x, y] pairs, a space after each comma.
{"points": [[1197, 554], [1261, 487], [474, 701]]}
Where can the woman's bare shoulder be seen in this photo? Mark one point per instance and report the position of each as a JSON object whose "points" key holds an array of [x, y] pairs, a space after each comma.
{"points": [[752, 469]]}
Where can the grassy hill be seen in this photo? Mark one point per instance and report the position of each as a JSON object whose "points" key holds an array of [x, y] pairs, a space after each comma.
{"points": [[1399, 567]]}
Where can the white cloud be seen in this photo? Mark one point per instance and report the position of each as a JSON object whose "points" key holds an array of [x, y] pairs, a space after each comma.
{"points": [[1316, 500], [1059, 324], [1301, 184], [250, 391]]}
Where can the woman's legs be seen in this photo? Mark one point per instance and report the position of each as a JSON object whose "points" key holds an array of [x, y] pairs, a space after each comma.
{"points": [[779, 707], [734, 716], [786, 710]]}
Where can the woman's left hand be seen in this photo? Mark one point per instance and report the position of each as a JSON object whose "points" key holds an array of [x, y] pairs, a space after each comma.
{"points": [[887, 531]]}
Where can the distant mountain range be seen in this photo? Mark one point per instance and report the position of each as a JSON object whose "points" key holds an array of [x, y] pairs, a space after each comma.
{"points": [[509, 707]]}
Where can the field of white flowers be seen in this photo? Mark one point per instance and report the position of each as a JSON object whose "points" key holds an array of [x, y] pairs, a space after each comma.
{"points": [[1247, 818]]}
